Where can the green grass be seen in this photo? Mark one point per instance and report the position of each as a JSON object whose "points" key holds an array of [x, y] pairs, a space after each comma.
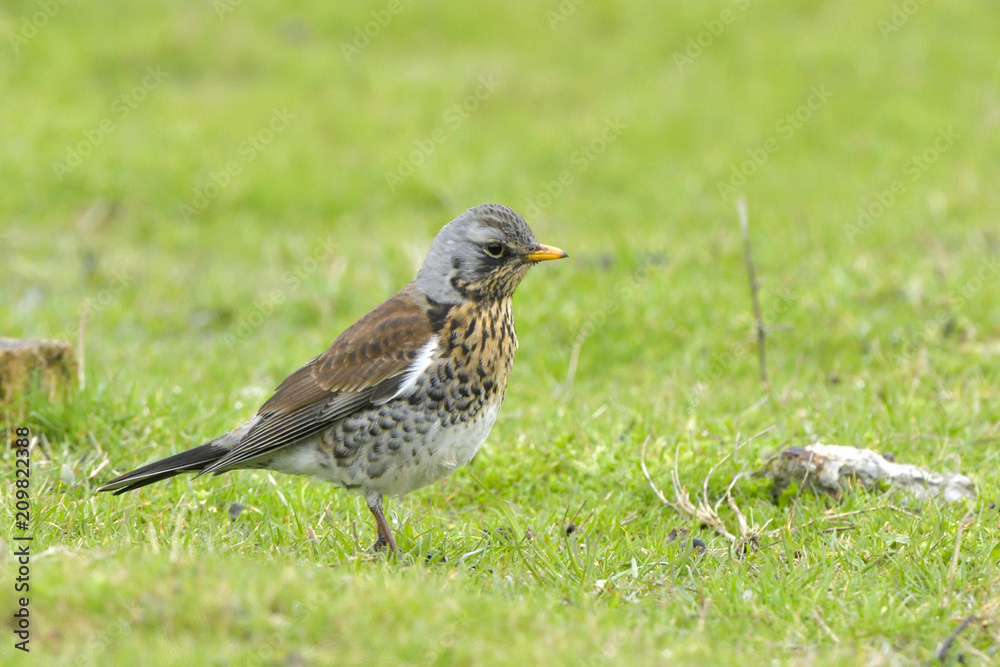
{"points": [[885, 333]]}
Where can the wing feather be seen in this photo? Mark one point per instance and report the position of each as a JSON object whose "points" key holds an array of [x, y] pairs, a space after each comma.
{"points": [[372, 356]]}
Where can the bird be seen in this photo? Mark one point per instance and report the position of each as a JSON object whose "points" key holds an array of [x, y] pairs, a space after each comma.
{"points": [[404, 396]]}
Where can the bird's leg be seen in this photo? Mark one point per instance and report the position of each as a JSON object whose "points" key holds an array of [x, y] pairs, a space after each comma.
{"points": [[385, 538]]}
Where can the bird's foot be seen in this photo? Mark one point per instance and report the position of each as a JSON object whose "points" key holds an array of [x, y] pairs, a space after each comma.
{"points": [[385, 538]]}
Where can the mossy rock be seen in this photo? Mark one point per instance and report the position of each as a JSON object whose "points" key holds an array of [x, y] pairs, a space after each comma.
{"points": [[27, 365]]}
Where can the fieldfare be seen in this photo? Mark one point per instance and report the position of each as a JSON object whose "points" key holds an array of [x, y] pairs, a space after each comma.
{"points": [[405, 395]]}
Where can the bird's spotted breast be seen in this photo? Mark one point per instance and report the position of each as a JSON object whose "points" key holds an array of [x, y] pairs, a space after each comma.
{"points": [[439, 425], [474, 362]]}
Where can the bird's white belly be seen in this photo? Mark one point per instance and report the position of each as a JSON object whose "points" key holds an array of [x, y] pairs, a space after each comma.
{"points": [[448, 448], [444, 449]]}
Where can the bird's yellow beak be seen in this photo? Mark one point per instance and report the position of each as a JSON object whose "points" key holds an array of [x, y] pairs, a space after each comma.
{"points": [[545, 252]]}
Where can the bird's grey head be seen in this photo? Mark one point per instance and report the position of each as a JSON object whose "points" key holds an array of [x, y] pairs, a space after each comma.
{"points": [[482, 254]]}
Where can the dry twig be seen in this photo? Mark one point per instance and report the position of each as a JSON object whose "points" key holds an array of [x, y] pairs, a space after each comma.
{"points": [[702, 509], [942, 653], [741, 209], [81, 345], [652, 484]]}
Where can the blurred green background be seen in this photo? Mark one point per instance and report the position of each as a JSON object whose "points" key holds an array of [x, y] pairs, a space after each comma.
{"points": [[230, 184]]}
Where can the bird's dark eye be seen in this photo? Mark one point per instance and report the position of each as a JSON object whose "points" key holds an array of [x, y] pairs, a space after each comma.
{"points": [[494, 249]]}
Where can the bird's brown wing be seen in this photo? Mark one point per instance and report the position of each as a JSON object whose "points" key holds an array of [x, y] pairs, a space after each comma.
{"points": [[367, 363]]}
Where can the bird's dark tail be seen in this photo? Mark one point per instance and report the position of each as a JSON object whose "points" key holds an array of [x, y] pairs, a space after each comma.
{"points": [[192, 460]]}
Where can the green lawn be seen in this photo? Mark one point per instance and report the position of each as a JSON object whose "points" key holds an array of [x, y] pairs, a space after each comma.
{"points": [[232, 184]]}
